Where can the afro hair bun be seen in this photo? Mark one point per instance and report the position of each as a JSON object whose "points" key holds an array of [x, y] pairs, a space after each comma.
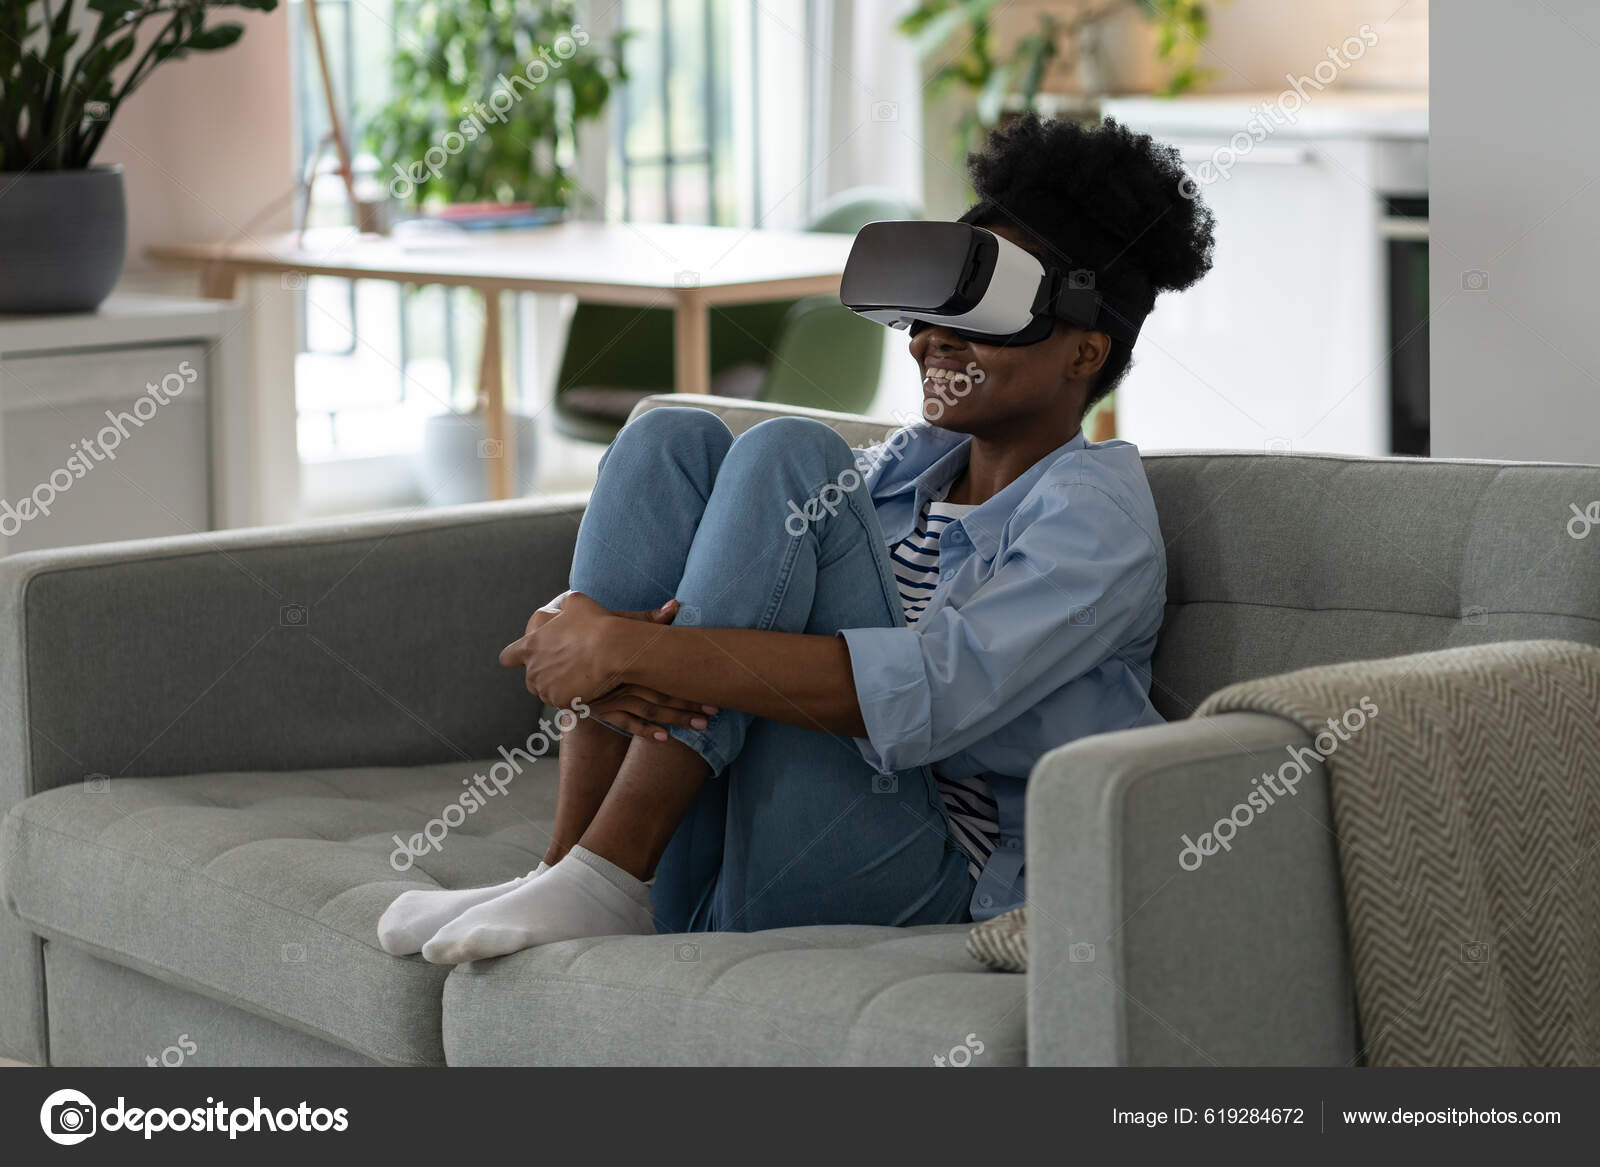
{"points": [[1125, 185]]}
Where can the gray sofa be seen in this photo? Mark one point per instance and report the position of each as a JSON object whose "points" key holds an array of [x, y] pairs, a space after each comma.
{"points": [[208, 742]]}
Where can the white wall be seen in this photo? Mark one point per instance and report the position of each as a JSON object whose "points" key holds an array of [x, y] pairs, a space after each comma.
{"points": [[206, 145], [1515, 196]]}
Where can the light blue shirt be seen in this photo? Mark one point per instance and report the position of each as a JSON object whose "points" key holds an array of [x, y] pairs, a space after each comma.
{"points": [[1040, 631]]}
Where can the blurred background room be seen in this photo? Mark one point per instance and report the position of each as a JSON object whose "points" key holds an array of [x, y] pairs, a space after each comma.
{"points": [[1304, 124]]}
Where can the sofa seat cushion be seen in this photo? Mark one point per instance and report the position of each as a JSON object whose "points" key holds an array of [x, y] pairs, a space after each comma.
{"points": [[826, 995], [263, 890]]}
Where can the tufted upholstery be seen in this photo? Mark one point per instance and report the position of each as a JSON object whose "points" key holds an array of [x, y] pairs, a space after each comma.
{"points": [[818, 996], [264, 889]]}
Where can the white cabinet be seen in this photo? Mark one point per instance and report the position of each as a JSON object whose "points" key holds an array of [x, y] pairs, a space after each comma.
{"points": [[115, 425], [1284, 345]]}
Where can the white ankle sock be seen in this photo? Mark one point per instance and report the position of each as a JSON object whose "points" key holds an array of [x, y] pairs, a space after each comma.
{"points": [[583, 895], [415, 916]]}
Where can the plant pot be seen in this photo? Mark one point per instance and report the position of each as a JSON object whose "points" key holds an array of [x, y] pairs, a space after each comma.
{"points": [[454, 466], [63, 238]]}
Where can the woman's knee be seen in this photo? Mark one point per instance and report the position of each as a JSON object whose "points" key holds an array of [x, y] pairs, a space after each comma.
{"points": [[793, 441], [674, 431]]}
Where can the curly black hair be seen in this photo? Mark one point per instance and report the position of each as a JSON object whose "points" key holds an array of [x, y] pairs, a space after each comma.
{"points": [[1102, 199]]}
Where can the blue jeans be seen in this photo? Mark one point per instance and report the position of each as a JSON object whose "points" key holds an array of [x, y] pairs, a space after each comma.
{"points": [[794, 826]]}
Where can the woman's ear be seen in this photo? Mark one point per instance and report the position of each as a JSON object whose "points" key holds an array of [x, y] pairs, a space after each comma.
{"points": [[1089, 353]]}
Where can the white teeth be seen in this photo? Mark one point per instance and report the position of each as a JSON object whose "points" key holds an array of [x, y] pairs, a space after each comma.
{"points": [[936, 374]]}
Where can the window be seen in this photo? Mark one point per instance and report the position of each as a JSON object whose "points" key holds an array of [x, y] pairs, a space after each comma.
{"points": [[684, 147], [673, 133]]}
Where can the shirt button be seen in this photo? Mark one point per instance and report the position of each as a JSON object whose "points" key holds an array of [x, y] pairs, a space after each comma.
{"points": [[956, 535], [986, 901]]}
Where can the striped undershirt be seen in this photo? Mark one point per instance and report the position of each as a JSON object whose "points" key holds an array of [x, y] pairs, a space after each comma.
{"points": [[968, 805]]}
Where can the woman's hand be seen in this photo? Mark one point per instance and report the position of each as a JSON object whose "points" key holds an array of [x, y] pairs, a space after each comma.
{"points": [[645, 712], [564, 662], [665, 614]]}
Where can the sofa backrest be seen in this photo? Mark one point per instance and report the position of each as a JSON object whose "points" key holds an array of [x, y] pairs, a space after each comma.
{"points": [[1283, 561], [1280, 562]]}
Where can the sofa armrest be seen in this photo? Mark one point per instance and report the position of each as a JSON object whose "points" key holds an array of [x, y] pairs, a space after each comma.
{"points": [[1134, 959]]}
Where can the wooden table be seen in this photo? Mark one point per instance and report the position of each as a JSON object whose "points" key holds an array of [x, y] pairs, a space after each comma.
{"points": [[651, 265]]}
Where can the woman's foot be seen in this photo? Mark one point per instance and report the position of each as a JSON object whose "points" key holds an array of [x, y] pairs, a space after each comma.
{"points": [[415, 916], [583, 895]]}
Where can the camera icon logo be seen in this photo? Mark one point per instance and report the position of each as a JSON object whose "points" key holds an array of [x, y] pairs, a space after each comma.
{"points": [[1081, 953], [1475, 280], [96, 111], [1080, 277], [686, 279], [293, 953], [1082, 617], [1475, 951], [67, 1117], [97, 783], [1279, 446], [294, 281], [491, 448], [885, 784], [1475, 615], [686, 953], [885, 111], [687, 614], [293, 615]]}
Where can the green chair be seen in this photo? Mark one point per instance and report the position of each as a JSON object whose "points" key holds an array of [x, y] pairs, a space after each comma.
{"points": [[812, 352]]}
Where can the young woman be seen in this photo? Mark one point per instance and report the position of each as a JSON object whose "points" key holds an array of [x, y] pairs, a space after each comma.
{"points": [[816, 679]]}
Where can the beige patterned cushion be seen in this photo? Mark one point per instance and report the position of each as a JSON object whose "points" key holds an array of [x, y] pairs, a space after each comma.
{"points": [[1002, 943]]}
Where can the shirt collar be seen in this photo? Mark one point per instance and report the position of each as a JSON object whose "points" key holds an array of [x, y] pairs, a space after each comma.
{"points": [[985, 524]]}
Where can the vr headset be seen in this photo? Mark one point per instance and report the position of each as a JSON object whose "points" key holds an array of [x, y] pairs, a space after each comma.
{"points": [[913, 275]]}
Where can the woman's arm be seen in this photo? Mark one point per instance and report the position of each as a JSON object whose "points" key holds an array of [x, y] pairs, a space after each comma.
{"points": [[790, 677]]}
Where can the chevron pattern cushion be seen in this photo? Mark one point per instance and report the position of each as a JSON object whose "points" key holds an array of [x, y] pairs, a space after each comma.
{"points": [[1466, 796], [1001, 942]]}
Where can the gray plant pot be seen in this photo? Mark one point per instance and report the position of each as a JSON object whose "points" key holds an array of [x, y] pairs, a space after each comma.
{"points": [[63, 238], [455, 451]]}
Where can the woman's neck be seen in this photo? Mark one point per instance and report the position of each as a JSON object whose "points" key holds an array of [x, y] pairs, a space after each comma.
{"points": [[994, 464]]}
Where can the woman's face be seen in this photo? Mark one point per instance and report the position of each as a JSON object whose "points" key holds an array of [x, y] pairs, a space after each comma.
{"points": [[981, 388]]}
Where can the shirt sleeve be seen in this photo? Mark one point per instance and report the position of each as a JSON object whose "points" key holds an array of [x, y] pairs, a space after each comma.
{"points": [[1081, 582]]}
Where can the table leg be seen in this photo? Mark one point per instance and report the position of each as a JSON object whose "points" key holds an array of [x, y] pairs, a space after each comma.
{"points": [[691, 343], [498, 452], [218, 281]]}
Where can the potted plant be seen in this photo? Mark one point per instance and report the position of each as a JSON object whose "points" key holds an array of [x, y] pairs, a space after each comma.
{"points": [[487, 100], [64, 73], [998, 79]]}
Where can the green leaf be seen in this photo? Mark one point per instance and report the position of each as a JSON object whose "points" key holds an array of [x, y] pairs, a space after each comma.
{"points": [[116, 9], [209, 40], [992, 97], [938, 30]]}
